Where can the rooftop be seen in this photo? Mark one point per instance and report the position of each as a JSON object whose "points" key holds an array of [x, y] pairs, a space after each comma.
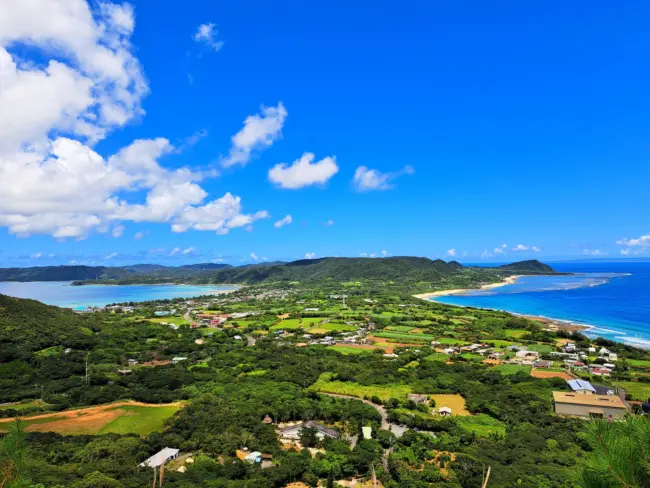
{"points": [[610, 401]]}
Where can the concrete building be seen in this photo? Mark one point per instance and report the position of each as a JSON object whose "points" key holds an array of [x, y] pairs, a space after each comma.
{"points": [[589, 406]]}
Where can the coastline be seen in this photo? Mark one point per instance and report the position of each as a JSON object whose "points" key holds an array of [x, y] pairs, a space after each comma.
{"points": [[510, 280]]}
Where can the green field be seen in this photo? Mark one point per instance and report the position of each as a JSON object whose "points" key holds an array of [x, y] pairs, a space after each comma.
{"points": [[498, 343], [513, 368], [26, 405], [516, 333], [336, 327], [50, 351], [297, 323], [450, 341], [402, 337], [639, 363], [400, 328], [140, 420], [437, 356], [482, 425], [384, 392], [170, 320], [541, 348], [349, 350], [471, 357], [637, 390]]}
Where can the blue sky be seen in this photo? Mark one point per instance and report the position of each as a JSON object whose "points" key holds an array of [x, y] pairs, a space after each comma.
{"points": [[184, 133]]}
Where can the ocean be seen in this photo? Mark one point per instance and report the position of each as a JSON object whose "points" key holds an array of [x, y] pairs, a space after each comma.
{"points": [[612, 298], [59, 293]]}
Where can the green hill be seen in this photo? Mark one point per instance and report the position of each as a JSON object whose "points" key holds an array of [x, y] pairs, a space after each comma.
{"points": [[532, 266]]}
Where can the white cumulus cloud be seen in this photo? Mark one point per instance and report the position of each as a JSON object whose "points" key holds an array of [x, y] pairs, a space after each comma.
{"points": [[303, 172], [283, 221], [366, 179], [593, 252], [260, 131], [451, 252], [521, 248], [384, 253], [329, 223], [207, 34], [117, 231], [310, 255], [643, 241]]}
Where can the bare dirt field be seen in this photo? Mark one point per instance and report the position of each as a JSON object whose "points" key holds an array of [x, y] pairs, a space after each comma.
{"points": [[540, 373]]}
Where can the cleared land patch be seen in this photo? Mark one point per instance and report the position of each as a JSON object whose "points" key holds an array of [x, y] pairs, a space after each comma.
{"points": [[297, 323], [119, 417], [541, 373], [513, 368], [453, 401], [384, 392]]}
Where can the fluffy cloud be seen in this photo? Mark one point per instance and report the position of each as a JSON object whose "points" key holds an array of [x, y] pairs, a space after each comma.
{"points": [[85, 83], [366, 179], [111, 256], [521, 248], [284, 221], [140, 235], [451, 252], [643, 241], [486, 254], [37, 255], [384, 253], [303, 172], [310, 255], [500, 250], [207, 34], [329, 223], [260, 131]]}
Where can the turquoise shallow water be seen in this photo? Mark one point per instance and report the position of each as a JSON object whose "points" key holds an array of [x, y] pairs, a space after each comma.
{"points": [[61, 294], [614, 298]]}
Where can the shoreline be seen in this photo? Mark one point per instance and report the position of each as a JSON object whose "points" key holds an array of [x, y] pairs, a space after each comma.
{"points": [[510, 280]]}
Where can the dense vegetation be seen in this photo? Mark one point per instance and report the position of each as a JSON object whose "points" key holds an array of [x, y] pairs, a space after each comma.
{"points": [[413, 271], [230, 382]]}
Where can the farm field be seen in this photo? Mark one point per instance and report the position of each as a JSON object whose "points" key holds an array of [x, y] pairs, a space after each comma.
{"points": [[170, 320], [541, 348], [639, 363], [25, 406], [405, 337], [471, 357], [516, 333], [453, 401], [400, 328], [351, 349], [326, 385], [542, 373], [637, 390], [297, 323], [437, 356], [450, 341], [333, 326], [498, 343], [513, 368], [119, 417]]}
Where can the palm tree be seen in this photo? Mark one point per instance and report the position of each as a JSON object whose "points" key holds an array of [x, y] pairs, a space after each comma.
{"points": [[620, 456]]}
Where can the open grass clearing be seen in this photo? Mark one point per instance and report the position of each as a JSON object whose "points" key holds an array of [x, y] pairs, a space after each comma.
{"points": [[637, 390], [516, 333], [170, 320], [352, 349], [498, 343], [118, 417], [25, 405], [639, 363], [451, 341], [400, 328], [384, 392], [541, 348], [305, 323], [334, 326], [482, 425], [437, 356], [513, 368], [405, 337], [468, 356]]}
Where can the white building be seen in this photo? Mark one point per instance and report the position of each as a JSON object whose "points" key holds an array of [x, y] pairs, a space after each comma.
{"points": [[178, 359], [160, 458]]}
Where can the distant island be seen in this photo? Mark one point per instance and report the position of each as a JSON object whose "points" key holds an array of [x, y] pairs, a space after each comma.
{"points": [[412, 273]]}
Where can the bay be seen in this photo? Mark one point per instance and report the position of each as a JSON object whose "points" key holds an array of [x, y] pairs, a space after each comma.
{"points": [[61, 294], [613, 298]]}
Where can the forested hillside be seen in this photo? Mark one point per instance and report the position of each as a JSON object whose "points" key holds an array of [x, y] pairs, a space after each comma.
{"points": [[404, 270]]}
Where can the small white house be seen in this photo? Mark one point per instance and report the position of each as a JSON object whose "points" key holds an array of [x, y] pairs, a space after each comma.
{"points": [[612, 356], [603, 352], [444, 411], [178, 359], [591, 350], [160, 458]]}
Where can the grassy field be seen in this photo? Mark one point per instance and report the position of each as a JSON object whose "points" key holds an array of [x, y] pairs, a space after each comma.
{"points": [[404, 337], [541, 348], [498, 343], [349, 350], [333, 326], [513, 368], [455, 402], [297, 323], [120, 417], [400, 328], [25, 406], [637, 390], [325, 384], [450, 341], [50, 351], [482, 425], [471, 357], [170, 320], [639, 363], [516, 333], [437, 356]]}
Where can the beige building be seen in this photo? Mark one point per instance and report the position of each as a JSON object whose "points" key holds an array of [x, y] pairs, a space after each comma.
{"points": [[589, 406]]}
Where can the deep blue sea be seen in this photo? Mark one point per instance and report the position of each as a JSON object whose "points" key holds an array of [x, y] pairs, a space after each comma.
{"points": [[614, 298], [61, 294]]}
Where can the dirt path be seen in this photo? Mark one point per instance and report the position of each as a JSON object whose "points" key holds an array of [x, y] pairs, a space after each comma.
{"points": [[98, 409]]}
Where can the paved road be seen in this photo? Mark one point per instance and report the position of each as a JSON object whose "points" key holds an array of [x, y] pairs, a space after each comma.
{"points": [[385, 424]]}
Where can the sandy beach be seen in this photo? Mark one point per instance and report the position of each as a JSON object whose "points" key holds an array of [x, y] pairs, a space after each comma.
{"points": [[508, 281]]}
